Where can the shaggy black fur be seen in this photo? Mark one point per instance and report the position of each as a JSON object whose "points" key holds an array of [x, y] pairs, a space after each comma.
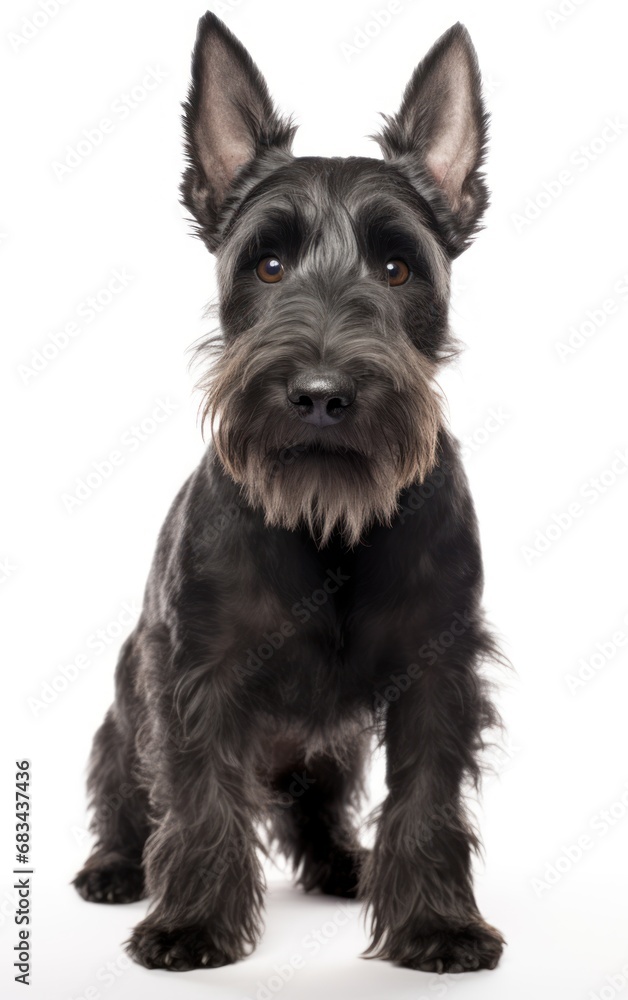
{"points": [[319, 577]]}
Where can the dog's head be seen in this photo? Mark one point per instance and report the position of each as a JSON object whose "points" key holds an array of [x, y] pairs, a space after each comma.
{"points": [[334, 283]]}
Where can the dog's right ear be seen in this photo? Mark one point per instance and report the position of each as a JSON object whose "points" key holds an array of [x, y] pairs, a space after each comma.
{"points": [[229, 122]]}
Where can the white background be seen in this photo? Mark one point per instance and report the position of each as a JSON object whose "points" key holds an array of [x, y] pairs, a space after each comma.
{"points": [[552, 83]]}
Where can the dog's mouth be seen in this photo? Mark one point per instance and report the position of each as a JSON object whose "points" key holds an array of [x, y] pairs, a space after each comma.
{"points": [[304, 451]]}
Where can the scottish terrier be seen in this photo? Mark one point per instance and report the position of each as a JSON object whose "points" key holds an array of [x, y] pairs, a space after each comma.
{"points": [[317, 583]]}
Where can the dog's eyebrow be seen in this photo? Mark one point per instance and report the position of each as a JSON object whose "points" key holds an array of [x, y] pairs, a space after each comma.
{"points": [[383, 233], [282, 229], [384, 237]]}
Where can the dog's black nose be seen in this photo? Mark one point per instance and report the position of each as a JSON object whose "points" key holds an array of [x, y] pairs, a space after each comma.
{"points": [[321, 396]]}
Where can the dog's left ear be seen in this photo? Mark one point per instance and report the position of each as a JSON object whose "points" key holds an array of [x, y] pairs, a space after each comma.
{"points": [[438, 137], [229, 121]]}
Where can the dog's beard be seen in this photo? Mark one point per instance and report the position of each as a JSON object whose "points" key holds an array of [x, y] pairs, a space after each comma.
{"points": [[344, 478], [322, 490]]}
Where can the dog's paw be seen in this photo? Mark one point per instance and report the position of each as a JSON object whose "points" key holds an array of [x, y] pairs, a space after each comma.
{"points": [[476, 947], [110, 879], [337, 875], [178, 950], [342, 875]]}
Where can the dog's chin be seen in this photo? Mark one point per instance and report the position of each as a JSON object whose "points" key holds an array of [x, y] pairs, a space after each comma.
{"points": [[322, 489]]}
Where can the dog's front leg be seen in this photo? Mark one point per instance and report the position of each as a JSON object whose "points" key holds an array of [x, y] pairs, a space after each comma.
{"points": [[201, 862], [419, 882]]}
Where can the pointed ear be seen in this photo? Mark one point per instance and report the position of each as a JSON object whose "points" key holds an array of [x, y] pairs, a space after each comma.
{"points": [[439, 135], [229, 122]]}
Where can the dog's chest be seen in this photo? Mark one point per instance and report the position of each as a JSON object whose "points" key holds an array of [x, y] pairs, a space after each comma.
{"points": [[313, 630], [291, 631]]}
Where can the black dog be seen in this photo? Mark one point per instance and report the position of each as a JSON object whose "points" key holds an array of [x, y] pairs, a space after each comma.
{"points": [[319, 577]]}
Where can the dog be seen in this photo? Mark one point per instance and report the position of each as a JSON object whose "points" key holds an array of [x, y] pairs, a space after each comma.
{"points": [[317, 583]]}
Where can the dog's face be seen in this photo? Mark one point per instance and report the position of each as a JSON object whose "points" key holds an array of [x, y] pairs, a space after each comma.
{"points": [[334, 284]]}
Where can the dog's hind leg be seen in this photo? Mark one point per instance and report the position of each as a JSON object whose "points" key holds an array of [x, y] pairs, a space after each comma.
{"points": [[113, 872], [314, 820]]}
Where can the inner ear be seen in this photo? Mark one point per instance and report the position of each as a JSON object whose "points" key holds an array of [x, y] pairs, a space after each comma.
{"points": [[456, 144], [233, 102], [229, 121], [439, 133]]}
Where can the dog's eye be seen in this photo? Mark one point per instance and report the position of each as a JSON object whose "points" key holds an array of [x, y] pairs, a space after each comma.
{"points": [[397, 272], [270, 269]]}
